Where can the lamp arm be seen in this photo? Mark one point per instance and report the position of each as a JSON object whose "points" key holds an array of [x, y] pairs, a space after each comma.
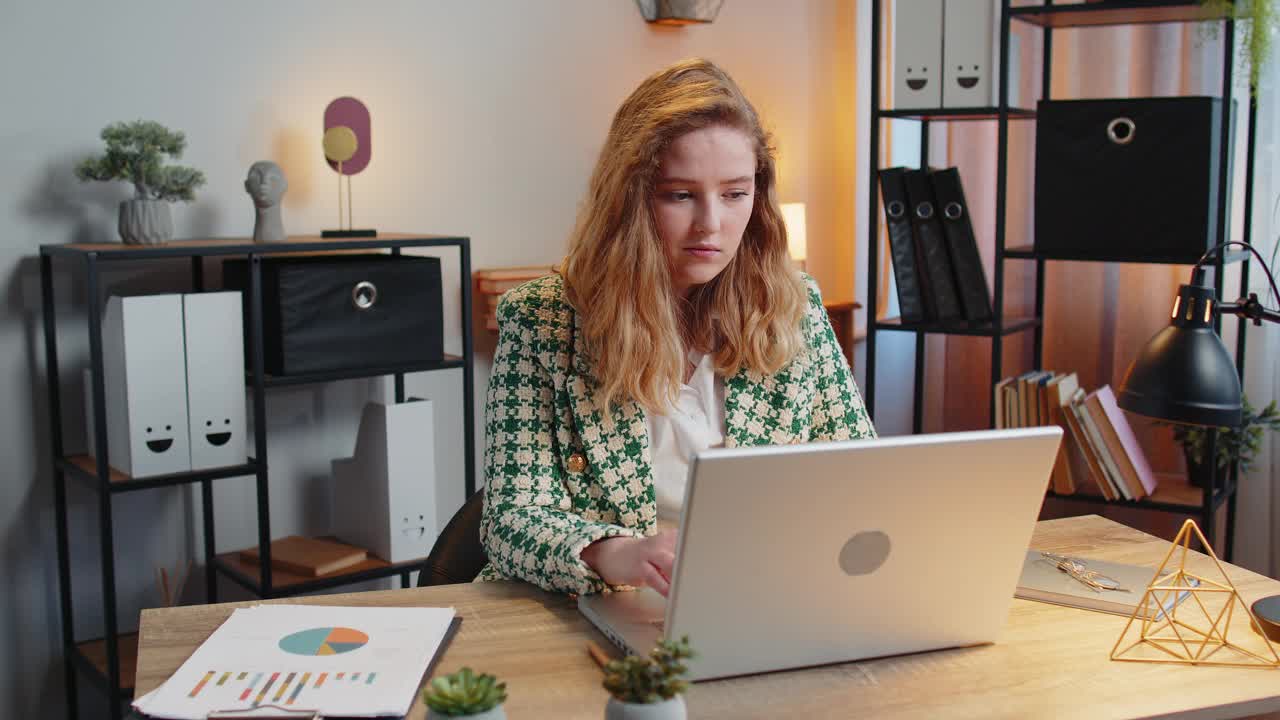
{"points": [[1249, 308]]}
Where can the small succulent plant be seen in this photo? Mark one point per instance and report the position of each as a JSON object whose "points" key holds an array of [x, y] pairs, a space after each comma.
{"points": [[660, 676], [464, 693]]}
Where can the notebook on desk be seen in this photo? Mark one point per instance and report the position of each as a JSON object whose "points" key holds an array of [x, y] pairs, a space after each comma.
{"points": [[800, 555]]}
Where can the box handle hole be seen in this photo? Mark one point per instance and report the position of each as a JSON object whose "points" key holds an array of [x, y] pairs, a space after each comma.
{"points": [[1121, 130], [364, 295]]}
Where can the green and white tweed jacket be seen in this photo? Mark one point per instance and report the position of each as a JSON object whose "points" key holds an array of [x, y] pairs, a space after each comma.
{"points": [[558, 478]]}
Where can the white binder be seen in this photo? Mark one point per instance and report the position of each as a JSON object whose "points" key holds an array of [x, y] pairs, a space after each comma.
{"points": [[214, 329], [971, 53], [384, 498], [146, 386], [917, 54]]}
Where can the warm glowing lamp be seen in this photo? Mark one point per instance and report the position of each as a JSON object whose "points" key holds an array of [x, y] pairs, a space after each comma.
{"points": [[797, 243]]}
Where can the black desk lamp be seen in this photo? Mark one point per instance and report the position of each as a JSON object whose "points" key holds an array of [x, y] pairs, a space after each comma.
{"points": [[1185, 375]]}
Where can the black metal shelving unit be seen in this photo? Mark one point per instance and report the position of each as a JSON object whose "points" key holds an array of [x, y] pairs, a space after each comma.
{"points": [[1049, 16], [103, 659]]}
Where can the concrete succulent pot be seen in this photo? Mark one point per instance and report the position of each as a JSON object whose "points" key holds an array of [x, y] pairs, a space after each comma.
{"points": [[673, 709], [145, 222], [496, 713]]}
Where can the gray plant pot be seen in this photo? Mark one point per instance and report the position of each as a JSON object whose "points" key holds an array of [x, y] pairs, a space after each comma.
{"points": [[495, 714], [145, 222], [672, 709]]}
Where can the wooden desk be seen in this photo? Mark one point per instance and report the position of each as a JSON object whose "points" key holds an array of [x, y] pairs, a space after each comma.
{"points": [[1050, 661]]}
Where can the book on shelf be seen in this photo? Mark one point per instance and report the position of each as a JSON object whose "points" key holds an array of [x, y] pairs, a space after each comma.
{"points": [[1085, 443], [962, 246], [907, 273], [937, 276], [1117, 433], [308, 556], [1041, 580]]}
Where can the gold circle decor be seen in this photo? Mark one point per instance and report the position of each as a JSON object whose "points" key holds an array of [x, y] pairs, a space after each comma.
{"points": [[340, 143]]}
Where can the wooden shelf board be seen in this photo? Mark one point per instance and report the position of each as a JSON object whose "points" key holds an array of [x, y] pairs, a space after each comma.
{"points": [[90, 465], [294, 243], [282, 580], [1171, 489], [95, 651], [1011, 325], [1114, 12], [956, 114]]}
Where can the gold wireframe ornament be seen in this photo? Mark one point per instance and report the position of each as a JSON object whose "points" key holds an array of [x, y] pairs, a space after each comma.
{"points": [[1166, 637]]}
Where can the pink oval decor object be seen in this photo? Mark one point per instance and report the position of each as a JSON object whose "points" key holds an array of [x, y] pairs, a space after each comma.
{"points": [[350, 112]]}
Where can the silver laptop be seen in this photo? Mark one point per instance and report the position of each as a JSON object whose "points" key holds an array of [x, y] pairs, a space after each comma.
{"points": [[803, 555]]}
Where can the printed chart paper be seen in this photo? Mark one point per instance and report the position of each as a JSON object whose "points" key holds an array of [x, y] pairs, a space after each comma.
{"points": [[339, 661]]}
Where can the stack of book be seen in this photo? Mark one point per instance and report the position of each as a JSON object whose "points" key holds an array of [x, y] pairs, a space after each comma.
{"points": [[492, 284], [936, 264], [1098, 444]]}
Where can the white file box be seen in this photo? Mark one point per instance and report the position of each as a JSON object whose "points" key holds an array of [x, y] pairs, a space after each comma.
{"points": [[917, 54], [971, 53], [384, 498], [214, 329], [146, 386]]}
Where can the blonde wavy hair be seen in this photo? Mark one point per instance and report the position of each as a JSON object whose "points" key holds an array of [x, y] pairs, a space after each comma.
{"points": [[616, 273]]}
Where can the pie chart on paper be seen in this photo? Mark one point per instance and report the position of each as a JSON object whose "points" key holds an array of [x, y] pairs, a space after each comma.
{"points": [[323, 641]]}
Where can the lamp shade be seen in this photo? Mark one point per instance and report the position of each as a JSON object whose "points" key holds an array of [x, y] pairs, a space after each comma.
{"points": [[1184, 373], [793, 219], [679, 12]]}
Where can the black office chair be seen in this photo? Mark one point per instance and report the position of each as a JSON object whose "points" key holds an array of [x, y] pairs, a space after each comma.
{"points": [[457, 556]]}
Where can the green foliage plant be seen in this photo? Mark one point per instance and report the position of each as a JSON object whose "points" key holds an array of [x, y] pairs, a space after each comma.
{"points": [[135, 153], [1257, 23], [655, 678], [464, 693], [1234, 444]]}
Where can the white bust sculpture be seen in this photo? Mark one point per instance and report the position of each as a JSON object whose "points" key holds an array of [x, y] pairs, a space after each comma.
{"points": [[266, 185]]}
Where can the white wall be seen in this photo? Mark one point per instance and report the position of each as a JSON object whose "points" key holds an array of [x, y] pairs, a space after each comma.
{"points": [[487, 117]]}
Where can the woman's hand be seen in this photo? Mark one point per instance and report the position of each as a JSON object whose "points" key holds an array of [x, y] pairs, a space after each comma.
{"points": [[634, 561]]}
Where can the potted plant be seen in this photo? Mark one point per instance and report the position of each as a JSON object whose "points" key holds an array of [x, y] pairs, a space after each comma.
{"points": [[1233, 444], [465, 694], [135, 153], [1259, 20], [649, 688]]}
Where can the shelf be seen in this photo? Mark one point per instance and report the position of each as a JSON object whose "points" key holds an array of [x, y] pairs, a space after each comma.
{"points": [[1173, 494], [85, 469], [1027, 252], [92, 656], [449, 362], [1012, 325], [245, 246], [1113, 12], [247, 574], [957, 114]]}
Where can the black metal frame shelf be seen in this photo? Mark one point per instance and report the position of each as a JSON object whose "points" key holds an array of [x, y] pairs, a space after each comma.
{"points": [[96, 472], [1012, 325], [1027, 252], [450, 362], [1113, 12], [1048, 17], [957, 114]]}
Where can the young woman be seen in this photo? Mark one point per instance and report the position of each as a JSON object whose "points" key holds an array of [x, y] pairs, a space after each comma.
{"points": [[677, 322]]}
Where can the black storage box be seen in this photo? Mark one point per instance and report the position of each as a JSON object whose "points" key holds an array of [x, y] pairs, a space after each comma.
{"points": [[343, 312], [1129, 180]]}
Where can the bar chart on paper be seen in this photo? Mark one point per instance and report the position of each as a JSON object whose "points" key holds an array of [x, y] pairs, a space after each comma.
{"points": [[246, 689], [338, 661]]}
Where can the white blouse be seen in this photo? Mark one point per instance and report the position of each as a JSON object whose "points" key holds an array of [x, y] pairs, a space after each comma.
{"points": [[695, 422]]}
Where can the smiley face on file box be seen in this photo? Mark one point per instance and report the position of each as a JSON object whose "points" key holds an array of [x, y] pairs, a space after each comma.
{"points": [[213, 327], [917, 54]]}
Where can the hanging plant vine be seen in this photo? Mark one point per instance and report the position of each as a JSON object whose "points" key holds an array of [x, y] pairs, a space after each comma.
{"points": [[1257, 24]]}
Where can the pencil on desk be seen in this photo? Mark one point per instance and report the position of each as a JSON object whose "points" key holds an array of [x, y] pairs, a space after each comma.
{"points": [[597, 654]]}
